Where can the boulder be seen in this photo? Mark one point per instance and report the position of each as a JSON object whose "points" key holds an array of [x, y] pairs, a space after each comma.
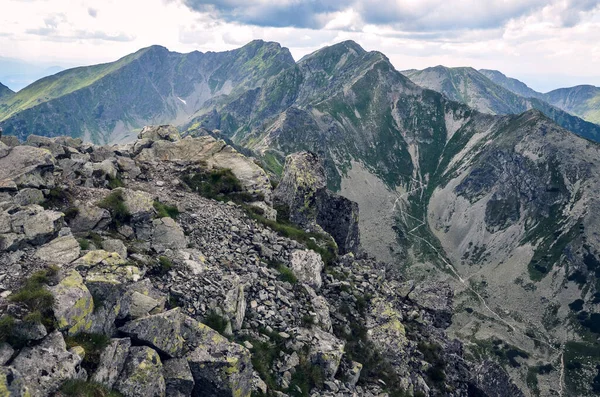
{"points": [[73, 304], [437, 298], [139, 204], [115, 245], [307, 266], [4, 149], [325, 350], [321, 309], [219, 367], [6, 353], [99, 257], [61, 250], [167, 234], [45, 367], [303, 192], [106, 168], [178, 378], [140, 299], [111, 362], [161, 132], [386, 331], [234, 305], [89, 217], [27, 166], [142, 374], [37, 224], [167, 332], [28, 196]]}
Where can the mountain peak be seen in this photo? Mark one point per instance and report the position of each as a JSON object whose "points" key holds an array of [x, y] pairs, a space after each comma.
{"points": [[5, 91]]}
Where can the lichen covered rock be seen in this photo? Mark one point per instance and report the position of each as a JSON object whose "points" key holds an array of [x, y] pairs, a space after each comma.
{"points": [[46, 366], [307, 266], [142, 374], [73, 303]]}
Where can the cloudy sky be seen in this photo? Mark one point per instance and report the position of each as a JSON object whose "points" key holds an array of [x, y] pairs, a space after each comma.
{"points": [[546, 43]]}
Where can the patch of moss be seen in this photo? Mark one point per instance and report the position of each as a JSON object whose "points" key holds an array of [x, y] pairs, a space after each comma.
{"points": [[327, 248], [219, 184], [287, 275], [165, 210], [93, 344], [57, 198], [115, 182], [215, 321], [34, 295], [115, 204]]}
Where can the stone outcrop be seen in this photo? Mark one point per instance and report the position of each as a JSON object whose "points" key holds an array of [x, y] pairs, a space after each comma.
{"points": [[303, 192]]}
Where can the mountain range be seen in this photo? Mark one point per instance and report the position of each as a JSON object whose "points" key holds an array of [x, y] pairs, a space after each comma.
{"points": [[458, 177], [581, 100], [489, 95]]}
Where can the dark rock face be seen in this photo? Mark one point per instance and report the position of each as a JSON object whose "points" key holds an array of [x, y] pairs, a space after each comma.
{"points": [[303, 192], [490, 380]]}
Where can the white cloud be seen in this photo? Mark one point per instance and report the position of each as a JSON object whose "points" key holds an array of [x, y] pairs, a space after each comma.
{"points": [[556, 41]]}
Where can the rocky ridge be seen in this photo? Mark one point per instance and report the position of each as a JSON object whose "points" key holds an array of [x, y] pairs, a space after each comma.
{"points": [[118, 273]]}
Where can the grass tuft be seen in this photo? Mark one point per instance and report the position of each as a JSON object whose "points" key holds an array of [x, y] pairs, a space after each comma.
{"points": [[164, 210], [115, 203]]}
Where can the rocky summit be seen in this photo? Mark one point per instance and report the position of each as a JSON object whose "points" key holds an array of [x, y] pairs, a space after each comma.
{"points": [[173, 267]]}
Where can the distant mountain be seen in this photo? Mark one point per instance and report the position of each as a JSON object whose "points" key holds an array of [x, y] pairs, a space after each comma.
{"points": [[582, 100], [5, 92], [109, 102], [473, 88], [513, 85]]}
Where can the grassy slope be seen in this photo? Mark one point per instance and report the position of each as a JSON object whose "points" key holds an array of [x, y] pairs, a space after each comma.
{"points": [[60, 84]]}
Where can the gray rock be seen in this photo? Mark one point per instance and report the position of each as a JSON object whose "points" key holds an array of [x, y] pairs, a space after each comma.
{"points": [[352, 375], [46, 366], [112, 361], [37, 224], [106, 168], [88, 218], [61, 250], [73, 304], [166, 332], [139, 204], [235, 304], [28, 330], [115, 245], [178, 378], [142, 374], [325, 350], [307, 266], [6, 352], [4, 149], [303, 191], [167, 234], [161, 132], [140, 305], [492, 380], [219, 366], [27, 166], [29, 196]]}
